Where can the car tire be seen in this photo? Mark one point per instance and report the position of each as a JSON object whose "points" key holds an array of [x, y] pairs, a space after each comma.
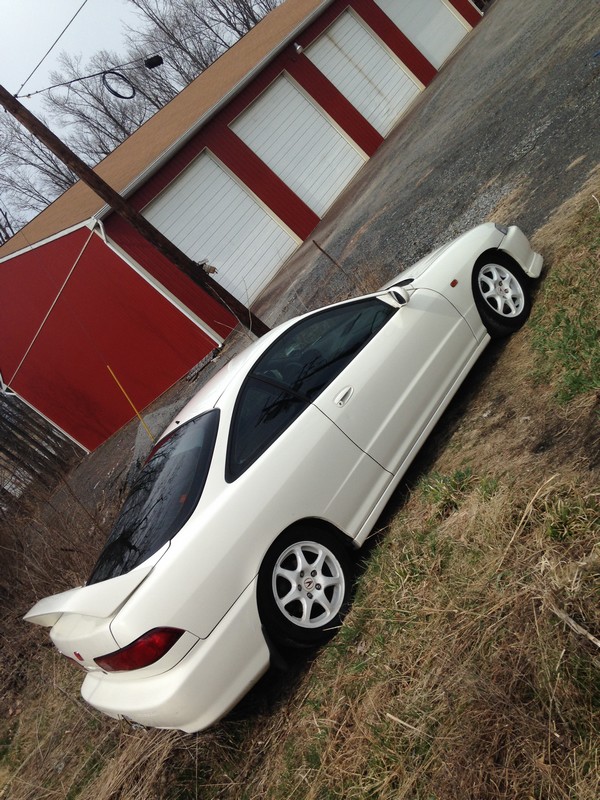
{"points": [[304, 586], [502, 296]]}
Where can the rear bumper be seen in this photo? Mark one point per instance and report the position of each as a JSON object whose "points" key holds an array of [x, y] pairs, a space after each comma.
{"points": [[208, 682]]}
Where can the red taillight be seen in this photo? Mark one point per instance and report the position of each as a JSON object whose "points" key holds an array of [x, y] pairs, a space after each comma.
{"points": [[144, 651]]}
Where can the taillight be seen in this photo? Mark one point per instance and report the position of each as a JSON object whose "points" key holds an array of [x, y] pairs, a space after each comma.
{"points": [[144, 651]]}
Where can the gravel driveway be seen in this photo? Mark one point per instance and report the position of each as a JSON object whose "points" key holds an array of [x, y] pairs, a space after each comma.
{"points": [[508, 130]]}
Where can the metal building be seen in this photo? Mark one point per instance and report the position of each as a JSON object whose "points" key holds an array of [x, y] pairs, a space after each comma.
{"points": [[238, 169]]}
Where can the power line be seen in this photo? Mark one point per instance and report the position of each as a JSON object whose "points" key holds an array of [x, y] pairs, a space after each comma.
{"points": [[135, 61], [83, 78], [52, 46]]}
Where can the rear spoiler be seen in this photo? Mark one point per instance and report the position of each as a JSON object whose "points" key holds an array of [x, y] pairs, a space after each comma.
{"points": [[99, 600]]}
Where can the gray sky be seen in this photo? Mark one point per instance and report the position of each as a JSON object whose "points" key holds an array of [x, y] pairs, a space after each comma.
{"points": [[29, 27]]}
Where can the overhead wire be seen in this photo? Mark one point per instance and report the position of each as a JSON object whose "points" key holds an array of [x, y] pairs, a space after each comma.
{"points": [[132, 63], [51, 48], [84, 77]]}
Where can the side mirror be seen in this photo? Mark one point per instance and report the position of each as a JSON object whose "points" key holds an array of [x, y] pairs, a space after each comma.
{"points": [[399, 294]]}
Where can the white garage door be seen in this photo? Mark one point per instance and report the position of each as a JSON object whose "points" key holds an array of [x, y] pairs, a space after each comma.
{"points": [[211, 216], [299, 143], [364, 71], [431, 25]]}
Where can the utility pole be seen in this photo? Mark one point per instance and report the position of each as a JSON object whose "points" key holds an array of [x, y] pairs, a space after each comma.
{"points": [[125, 210]]}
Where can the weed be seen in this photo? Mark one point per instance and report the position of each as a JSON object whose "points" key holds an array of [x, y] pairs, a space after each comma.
{"points": [[446, 491]]}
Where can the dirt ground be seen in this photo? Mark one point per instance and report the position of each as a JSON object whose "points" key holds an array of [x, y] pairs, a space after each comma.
{"points": [[507, 131]]}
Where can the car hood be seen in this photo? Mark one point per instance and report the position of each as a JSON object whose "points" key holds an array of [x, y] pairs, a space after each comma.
{"points": [[99, 600], [417, 268], [484, 236]]}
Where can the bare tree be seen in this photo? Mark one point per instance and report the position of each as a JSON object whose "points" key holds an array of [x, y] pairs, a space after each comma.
{"points": [[236, 17], [95, 120], [30, 175], [172, 29], [30, 449], [188, 35]]}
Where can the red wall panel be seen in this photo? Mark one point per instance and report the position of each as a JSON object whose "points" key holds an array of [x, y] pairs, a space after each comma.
{"points": [[106, 316]]}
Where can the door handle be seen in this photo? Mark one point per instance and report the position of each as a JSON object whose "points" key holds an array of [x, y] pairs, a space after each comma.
{"points": [[342, 398]]}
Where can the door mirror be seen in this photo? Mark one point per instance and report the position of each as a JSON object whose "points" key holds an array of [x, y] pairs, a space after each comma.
{"points": [[399, 294]]}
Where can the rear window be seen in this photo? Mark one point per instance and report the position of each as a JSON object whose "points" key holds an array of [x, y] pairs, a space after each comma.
{"points": [[162, 498]]}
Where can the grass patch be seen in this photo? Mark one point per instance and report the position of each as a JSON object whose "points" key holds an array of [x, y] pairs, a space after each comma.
{"points": [[565, 322]]}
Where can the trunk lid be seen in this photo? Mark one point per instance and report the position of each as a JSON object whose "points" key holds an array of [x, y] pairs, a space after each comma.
{"points": [[81, 618]]}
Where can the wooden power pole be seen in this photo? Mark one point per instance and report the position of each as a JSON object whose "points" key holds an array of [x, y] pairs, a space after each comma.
{"points": [[125, 210]]}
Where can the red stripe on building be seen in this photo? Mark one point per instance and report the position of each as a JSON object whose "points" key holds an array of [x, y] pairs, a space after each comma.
{"points": [[468, 11], [335, 104], [261, 180], [398, 43]]}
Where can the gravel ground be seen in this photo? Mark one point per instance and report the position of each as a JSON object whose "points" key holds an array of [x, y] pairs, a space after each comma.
{"points": [[507, 131]]}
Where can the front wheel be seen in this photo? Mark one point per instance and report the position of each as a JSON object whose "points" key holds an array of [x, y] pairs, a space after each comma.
{"points": [[304, 587], [501, 292]]}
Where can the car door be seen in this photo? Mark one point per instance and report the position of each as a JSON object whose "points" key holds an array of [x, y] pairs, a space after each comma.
{"points": [[385, 396]]}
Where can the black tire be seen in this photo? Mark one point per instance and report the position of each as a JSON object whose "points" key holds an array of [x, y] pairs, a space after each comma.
{"points": [[304, 587], [502, 296]]}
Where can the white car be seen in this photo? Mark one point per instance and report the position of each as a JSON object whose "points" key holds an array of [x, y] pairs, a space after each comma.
{"points": [[238, 534]]}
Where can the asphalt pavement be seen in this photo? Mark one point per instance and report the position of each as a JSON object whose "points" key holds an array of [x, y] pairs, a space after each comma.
{"points": [[508, 127]]}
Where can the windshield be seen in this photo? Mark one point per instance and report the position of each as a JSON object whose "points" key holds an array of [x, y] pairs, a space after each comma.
{"points": [[162, 498]]}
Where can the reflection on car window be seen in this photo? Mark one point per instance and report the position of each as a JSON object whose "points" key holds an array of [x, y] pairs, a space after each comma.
{"points": [[162, 498], [294, 371], [263, 413]]}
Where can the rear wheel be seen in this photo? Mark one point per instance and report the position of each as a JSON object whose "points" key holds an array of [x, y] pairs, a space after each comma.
{"points": [[304, 587], [501, 292]]}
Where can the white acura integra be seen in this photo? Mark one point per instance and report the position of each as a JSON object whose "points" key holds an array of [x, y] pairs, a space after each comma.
{"points": [[238, 534]]}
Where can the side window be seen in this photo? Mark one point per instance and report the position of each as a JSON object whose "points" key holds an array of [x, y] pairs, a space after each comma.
{"points": [[263, 411], [294, 371], [312, 353]]}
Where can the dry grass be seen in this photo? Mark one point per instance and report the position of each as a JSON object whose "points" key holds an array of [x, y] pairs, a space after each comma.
{"points": [[469, 665], [453, 676]]}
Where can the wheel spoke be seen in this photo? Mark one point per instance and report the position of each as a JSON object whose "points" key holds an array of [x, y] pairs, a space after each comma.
{"points": [[291, 576], [303, 564], [510, 302], [333, 580], [290, 597]]}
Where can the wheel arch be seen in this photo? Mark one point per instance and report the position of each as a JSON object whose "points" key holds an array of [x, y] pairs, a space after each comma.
{"points": [[495, 252], [322, 525]]}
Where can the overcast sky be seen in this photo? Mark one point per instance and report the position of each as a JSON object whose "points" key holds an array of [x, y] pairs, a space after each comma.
{"points": [[29, 27]]}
